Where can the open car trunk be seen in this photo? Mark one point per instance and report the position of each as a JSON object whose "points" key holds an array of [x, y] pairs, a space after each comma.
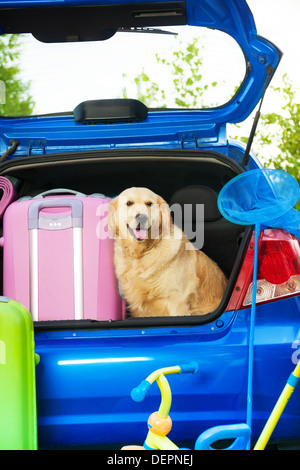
{"points": [[181, 177]]}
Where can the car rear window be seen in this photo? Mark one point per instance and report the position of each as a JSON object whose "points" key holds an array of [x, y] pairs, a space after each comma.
{"points": [[191, 68]]}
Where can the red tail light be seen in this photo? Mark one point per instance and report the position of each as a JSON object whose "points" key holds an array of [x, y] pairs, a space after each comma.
{"points": [[278, 270]]}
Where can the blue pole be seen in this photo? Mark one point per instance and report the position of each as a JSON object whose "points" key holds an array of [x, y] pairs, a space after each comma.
{"points": [[251, 333]]}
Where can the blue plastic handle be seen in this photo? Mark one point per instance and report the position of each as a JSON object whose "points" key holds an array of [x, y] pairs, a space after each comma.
{"points": [[192, 367], [241, 433], [138, 393]]}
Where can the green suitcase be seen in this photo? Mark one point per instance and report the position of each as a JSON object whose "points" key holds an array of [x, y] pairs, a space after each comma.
{"points": [[18, 417]]}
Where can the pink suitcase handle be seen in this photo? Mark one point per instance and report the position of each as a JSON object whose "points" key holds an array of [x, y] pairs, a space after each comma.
{"points": [[59, 191], [75, 221], [76, 218]]}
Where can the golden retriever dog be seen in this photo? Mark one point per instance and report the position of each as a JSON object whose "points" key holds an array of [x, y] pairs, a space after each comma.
{"points": [[159, 271]]}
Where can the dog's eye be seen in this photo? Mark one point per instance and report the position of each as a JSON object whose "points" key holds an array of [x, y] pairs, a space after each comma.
{"points": [[129, 203], [149, 203]]}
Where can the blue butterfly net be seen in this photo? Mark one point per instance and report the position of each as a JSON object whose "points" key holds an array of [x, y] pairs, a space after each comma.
{"points": [[262, 196]]}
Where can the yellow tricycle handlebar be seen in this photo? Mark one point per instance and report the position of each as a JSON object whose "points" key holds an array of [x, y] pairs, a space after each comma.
{"points": [[139, 392], [160, 423]]}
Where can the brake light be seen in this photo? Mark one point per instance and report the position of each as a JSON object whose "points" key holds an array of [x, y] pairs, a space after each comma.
{"points": [[278, 270]]}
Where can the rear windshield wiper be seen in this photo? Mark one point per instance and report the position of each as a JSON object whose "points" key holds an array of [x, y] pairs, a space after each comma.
{"points": [[145, 30]]}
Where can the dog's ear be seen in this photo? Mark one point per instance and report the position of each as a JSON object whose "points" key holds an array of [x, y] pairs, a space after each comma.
{"points": [[165, 215], [112, 217]]}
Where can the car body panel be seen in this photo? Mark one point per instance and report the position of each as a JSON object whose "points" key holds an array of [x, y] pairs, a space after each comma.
{"points": [[167, 127], [85, 378], [47, 135]]}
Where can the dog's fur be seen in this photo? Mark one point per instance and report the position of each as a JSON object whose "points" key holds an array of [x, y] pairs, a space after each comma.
{"points": [[158, 275]]}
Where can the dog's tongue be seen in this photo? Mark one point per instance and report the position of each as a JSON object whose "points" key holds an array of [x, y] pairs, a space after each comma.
{"points": [[140, 234]]}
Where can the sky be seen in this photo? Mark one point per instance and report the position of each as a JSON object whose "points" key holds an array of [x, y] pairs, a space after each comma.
{"points": [[94, 70], [279, 21]]}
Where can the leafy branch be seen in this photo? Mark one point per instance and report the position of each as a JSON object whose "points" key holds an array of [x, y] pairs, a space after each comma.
{"points": [[17, 97], [186, 79]]}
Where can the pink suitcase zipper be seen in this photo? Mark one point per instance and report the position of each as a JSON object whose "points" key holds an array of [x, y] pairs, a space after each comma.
{"points": [[58, 259]]}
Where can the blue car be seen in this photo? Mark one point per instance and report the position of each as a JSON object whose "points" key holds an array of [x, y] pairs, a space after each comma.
{"points": [[111, 142]]}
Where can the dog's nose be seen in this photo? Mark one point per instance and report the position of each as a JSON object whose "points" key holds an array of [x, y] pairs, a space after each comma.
{"points": [[141, 218]]}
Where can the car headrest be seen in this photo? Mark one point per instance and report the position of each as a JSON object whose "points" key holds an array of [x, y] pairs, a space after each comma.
{"points": [[198, 194]]}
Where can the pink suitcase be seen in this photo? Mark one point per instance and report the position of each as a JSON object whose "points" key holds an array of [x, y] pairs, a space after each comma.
{"points": [[58, 259]]}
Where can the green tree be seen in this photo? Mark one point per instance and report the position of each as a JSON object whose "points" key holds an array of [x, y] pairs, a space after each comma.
{"points": [[284, 130], [15, 96], [281, 131], [187, 83]]}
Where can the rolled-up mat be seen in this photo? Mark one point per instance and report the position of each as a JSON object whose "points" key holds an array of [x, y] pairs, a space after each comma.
{"points": [[9, 194]]}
